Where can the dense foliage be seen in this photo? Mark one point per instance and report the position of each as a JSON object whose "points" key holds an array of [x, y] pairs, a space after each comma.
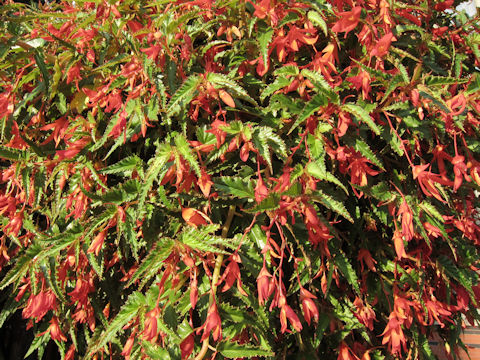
{"points": [[229, 179]]}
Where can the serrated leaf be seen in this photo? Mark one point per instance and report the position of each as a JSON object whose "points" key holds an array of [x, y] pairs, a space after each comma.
{"points": [[185, 150], [315, 104], [156, 167], [235, 186], [317, 19], [361, 114], [234, 350], [272, 202], [278, 84], [153, 262], [365, 150], [183, 95], [225, 82], [332, 204], [321, 85], [263, 42], [432, 80], [127, 164], [12, 153], [346, 268], [432, 210], [265, 140], [128, 311], [318, 171]]}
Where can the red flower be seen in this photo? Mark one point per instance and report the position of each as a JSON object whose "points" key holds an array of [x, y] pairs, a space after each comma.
{"points": [[393, 334], [261, 191], [194, 217], [382, 46], [213, 323], [127, 349], [38, 305], [286, 312], [364, 314], [150, 326], [399, 246], [232, 274], [407, 220], [264, 285], [365, 257], [310, 310], [97, 243], [348, 20], [187, 346], [345, 353], [55, 332]]}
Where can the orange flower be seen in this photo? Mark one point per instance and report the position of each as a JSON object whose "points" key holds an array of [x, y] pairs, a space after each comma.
{"points": [[382, 46], [213, 323], [348, 20], [194, 217], [38, 305], [55, 332], [310, 310]]}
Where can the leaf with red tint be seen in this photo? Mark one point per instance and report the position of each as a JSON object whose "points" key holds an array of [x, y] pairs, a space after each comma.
{"points": [[194, 217], [348, 20]]}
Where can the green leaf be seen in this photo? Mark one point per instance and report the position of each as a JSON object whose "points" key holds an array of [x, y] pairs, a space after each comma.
{"points": [[361, 114], [278, 84], [12, 153], [234, 350], [365, 150], [317, 19], [125, 165], [225, 82], [238, 187], [265, 139], [432, 80], [128, 311], [272, 202], [263, 42], [346, 268], [153, 262], [332, 204], [317, 170], [185, 150], [157, 166], [315, 104], [432, 210], [183, 95]]}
